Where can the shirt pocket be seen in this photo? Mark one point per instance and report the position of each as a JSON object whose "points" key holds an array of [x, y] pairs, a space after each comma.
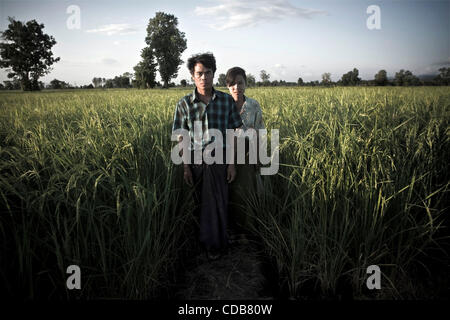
{"points": [[196, 113]]}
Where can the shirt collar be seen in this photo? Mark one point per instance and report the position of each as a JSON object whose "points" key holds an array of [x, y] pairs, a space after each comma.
{"points": [[195, 93]]}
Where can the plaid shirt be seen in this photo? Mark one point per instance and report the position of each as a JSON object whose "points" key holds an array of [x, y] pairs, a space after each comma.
{"points": [[220, 113]]}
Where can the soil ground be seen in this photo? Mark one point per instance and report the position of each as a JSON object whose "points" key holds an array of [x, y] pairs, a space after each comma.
{"points": [[237, 275]]}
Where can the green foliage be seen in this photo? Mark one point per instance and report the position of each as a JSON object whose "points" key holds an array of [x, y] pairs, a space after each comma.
{"points": [[98, 82], [123, 81], [26, 50], [86, 178], [264, 76], [166, 43], [326, 78], [222, 80], [406, 78], [251, 81], [363, 180], [381, 78], [444, 76], [351, 78], [145, 70], [12, 85], [58, 84]]}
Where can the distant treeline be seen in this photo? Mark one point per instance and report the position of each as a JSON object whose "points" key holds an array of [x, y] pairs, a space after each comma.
{"points": [[123, 81], [127, 80]]}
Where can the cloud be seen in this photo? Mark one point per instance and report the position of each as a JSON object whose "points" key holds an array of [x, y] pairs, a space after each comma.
{"points": [[442, 63], [112, 29], [434, 67], [279, 71], [109, 61], [237, 14], [73, 63]]}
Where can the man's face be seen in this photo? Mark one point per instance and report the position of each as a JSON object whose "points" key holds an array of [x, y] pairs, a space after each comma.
{"points": [[203, 77], [237, 90]]}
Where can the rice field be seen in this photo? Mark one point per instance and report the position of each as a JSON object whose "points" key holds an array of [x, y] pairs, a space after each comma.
{"points": [[86, 179]]}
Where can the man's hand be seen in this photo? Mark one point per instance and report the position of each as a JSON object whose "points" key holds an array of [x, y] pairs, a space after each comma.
{"points": [[188, 175], [231, 173]]}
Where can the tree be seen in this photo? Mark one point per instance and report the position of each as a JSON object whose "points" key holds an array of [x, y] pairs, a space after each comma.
{"points": [[406, 78], [58, 84], [222, 80], [123, 81], [97, 82], [126, 79], [167, 44], [381, 78], [251, 81], [26, 51], [326, 78], [183, 83], [145, 70], [109, 83], [300, 81], [444, 76], [351, 78], [12, 85], [264, 76], [354, 77], [120, 82], [399, 79]]}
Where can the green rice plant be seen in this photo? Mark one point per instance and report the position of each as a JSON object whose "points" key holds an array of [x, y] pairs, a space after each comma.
{"points": [[361, 182], [86, 178]]}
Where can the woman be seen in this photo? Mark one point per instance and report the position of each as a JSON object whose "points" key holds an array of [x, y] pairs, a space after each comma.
{"points": [[247, 174]]}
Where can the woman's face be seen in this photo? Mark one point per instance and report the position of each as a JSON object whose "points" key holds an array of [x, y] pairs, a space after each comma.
{"points": [[237, 90]]}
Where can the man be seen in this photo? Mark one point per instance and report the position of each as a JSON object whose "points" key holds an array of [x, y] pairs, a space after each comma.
{"points": [[210, 109]]}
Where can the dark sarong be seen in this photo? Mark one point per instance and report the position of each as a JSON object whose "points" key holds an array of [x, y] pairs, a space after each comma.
{"points": [[211, 195], [246, 185], [243, 186]]}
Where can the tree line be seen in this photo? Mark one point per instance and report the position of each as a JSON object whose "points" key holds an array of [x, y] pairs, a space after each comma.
{"points": [[128, 80], [26, 53], [351, 78]]}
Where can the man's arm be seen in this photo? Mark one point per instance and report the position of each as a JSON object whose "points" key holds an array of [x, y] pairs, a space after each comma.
{"points": [[187, 172], [235, 122], [179, 122]]}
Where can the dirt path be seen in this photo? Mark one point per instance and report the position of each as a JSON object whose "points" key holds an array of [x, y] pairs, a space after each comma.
{"points": [[238, 275]]}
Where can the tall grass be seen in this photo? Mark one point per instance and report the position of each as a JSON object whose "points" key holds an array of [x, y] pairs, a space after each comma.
{"points": [[86, 179], [363, 180]]}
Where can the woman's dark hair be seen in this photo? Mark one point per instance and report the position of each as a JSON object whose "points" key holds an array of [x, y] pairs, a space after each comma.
{"points": [[207, 59], [233, 73]]}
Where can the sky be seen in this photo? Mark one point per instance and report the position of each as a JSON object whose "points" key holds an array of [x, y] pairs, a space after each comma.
{"points": [[287, 38]]}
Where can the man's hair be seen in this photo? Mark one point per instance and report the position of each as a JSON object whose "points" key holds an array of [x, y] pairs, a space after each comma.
{"points": [[207, 59], [232, 74]]}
